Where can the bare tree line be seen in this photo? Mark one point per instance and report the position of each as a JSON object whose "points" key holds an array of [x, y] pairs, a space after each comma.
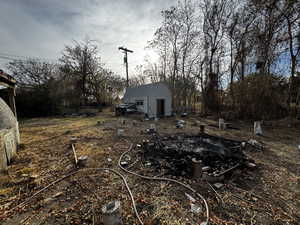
{"points": [[213, 47], [221, 53], [79, 79]]}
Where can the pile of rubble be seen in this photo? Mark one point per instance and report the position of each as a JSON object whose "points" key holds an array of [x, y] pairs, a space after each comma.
{"points": [[175, 155]]}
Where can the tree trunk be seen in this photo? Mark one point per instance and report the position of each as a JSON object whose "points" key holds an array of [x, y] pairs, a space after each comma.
{"points": [[231, 75]]}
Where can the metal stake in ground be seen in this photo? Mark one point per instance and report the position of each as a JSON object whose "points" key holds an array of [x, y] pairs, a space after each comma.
{"points": [[197, 168], [75, 155]]}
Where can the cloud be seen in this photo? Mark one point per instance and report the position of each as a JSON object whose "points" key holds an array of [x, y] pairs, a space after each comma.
{"points": [[43, 28]]}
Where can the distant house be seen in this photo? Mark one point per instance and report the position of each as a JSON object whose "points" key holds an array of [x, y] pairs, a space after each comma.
{"points": [[155, 99]]}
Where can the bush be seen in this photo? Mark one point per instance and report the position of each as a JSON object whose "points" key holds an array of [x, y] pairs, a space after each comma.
{"points": [[38, 101], [261, 97]]}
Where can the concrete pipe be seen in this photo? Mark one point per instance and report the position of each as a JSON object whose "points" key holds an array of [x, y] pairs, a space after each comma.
{"points": [[112, 213]]}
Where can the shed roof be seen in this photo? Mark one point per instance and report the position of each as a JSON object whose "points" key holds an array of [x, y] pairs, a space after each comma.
{"points": [[6, 79], [147, 90]]}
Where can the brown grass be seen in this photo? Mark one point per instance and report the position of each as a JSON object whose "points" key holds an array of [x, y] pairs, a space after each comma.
{"points": [[266, 195]]}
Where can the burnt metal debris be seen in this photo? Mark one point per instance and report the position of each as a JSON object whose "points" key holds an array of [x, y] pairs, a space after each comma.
{"points": [[173, 154]]}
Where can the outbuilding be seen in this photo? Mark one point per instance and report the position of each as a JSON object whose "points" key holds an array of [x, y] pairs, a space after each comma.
{"points": [[155, 100]]}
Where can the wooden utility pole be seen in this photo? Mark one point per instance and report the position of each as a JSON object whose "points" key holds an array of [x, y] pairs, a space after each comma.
{"points": [[125, 50]]}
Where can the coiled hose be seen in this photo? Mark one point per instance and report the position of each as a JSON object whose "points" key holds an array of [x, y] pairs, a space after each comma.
{"points": [[75, 172], [125, 183]]}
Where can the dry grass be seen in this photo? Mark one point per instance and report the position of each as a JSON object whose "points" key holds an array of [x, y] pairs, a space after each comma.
{"points": [[6, 191], [263, 196]]}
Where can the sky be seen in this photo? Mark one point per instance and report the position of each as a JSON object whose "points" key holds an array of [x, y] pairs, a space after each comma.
{"points": [[41, 28]]}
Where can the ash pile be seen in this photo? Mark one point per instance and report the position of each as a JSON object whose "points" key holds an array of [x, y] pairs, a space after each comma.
{"points": [[175, 154]]}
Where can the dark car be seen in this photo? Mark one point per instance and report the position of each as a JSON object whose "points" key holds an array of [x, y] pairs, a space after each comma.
{"points": [[126, 108]]}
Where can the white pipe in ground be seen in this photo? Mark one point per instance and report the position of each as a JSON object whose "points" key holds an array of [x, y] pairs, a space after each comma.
{"points": [[222, 125], [112, 213], [257, 128]]}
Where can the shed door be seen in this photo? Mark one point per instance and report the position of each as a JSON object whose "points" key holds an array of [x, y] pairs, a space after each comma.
{"points": [[160, 107]]}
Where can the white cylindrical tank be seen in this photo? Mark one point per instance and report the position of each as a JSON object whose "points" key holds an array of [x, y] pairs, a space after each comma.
{"points": [[112, 213]]}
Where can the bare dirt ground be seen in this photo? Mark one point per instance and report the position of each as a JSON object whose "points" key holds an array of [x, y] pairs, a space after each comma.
{"points": [[268, 194]]}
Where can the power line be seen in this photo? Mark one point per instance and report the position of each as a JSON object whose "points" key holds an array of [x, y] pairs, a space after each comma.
{"points": [[9, 56], [6, 58]]}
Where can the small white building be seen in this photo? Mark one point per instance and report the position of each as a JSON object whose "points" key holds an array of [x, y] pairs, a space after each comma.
{"points": [[155, 99]]}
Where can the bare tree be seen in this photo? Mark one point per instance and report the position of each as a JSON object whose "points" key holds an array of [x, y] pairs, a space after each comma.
{"points": [[216, 46], [37, 85], [32, 72], [79, 62], [139, 77], [177, 41], [290, 10], [84, 71], [238, 33], [268, 28], [104, 86], [167, 37], [216, 16]]}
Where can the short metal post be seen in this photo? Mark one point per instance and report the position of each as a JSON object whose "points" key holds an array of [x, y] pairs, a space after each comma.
{"points": [[197, 168], [202, 129]]}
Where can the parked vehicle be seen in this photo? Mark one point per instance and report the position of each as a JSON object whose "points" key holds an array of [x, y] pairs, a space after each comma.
{"points": [[126, 108]]}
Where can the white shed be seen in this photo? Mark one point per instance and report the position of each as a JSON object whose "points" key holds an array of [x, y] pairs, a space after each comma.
{"points": [[155, 99]]}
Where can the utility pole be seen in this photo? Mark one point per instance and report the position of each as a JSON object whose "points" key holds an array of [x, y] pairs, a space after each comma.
{"points": [[125, 50]]}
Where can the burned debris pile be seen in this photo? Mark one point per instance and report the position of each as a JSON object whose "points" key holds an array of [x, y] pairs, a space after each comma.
{"points": [[175, 154]]}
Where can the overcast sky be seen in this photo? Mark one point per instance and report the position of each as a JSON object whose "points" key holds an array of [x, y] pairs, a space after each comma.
{"points": [[41, 28]]}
